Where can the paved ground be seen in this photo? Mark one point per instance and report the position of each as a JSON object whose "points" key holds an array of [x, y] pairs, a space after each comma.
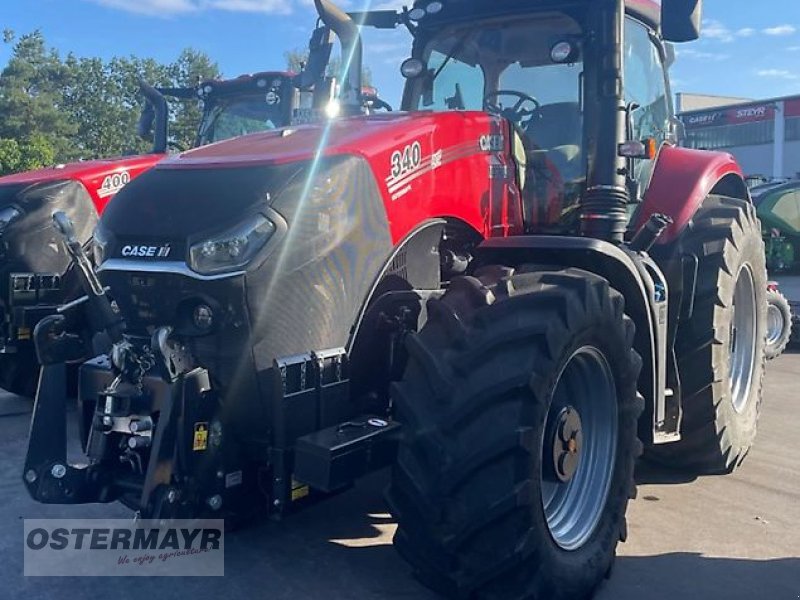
{"points": [[735, 537]]}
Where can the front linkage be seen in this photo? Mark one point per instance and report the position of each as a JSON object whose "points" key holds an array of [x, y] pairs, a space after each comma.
{"points": [[153, 435]]}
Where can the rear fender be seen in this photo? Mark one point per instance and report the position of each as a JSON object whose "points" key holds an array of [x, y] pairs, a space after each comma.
{"points": [[634, 279], [682, 179]]}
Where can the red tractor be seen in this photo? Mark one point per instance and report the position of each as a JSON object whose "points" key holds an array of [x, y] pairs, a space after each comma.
{"points": [[34, 275], [506, 291]]}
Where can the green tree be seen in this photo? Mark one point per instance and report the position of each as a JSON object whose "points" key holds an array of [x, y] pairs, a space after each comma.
{"points": [[10, 156], [31, 100], [190, 68], [296, 59], [103, 99]]}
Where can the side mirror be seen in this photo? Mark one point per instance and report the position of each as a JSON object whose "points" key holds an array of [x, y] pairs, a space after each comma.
{"points": [[144, 128], [681, 20], [319, 54]]}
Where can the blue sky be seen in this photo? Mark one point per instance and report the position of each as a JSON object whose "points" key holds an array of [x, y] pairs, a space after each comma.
{"points": [[749, 48]]}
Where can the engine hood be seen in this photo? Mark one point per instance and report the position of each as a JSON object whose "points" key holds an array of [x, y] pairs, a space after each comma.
{"points": [[363, 136]]}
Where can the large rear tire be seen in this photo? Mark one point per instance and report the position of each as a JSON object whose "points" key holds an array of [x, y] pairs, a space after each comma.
{"points": [[720, 350], [520, 412], [779, 324]]}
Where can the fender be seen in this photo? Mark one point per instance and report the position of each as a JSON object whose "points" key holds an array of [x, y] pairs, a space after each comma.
{"points": [[634, 278], [682, 179]]}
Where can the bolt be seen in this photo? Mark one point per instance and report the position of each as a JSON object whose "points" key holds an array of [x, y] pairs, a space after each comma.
{"points": [[214, 502], [276, 502], [172, 495], [30, 476], [58, 471], [220, 474]]}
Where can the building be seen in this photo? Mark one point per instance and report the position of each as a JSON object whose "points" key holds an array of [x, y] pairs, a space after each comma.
{"points": [[763, 135]]}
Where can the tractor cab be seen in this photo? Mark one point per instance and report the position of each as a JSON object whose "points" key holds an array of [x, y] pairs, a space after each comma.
{"points": [[233, 107], [535, 68]]}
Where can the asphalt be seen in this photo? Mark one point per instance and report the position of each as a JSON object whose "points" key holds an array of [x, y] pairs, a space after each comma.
{"points": [[733, 537]]}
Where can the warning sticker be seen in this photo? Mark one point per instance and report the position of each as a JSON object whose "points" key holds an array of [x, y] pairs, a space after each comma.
{"points": [[200, 437]]}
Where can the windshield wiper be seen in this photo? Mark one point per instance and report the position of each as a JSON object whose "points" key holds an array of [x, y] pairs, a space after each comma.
{"points": [[456, 49]]}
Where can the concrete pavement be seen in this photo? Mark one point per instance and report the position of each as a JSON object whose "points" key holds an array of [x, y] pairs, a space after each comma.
{"points": [[734, 537]]}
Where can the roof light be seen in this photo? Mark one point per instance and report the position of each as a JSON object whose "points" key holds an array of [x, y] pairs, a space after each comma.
{"points": [[411, 68], [434, 7], [564, 52], [415, 14]]}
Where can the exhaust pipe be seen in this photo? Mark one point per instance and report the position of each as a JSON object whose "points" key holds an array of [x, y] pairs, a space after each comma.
{"points": [[604, 208], [158, 102], [352, 53]]}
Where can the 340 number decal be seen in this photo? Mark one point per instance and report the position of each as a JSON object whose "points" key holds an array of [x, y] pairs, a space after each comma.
{"points": [[406, 160]]}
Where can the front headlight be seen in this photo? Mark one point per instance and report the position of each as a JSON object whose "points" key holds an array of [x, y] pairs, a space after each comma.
{"points": [[99, 245], [7, 216], [232, 249]]}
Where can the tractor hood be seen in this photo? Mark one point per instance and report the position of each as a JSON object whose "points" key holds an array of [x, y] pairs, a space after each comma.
{"points": [[374, 159], [101, 179], [362, 136]]}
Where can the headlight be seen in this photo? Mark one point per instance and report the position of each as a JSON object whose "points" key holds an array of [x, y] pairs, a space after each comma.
{"points": [[99, 245], [232, 249], [7, 216]]}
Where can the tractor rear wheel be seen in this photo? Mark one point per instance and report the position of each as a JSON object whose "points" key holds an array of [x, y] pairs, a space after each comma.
{"points": [[720, 349], [779, 324], [519, 407]]}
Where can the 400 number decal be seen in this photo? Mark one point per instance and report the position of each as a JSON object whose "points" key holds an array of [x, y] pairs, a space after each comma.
{"points": [[114, 183], [405, 160]]}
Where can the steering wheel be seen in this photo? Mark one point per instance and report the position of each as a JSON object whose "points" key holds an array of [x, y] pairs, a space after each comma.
{"points": [[516, 113]]}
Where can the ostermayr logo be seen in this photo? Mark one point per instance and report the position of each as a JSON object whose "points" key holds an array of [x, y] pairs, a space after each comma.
{"points": [[114, 547]]}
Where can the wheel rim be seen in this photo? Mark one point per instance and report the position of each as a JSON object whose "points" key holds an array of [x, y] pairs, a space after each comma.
{"points": [[743, 338], [775, 324], [574, 497]]}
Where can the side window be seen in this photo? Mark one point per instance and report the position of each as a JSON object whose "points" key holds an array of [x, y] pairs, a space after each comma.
{"points": [[455, 79], [645, 85]]}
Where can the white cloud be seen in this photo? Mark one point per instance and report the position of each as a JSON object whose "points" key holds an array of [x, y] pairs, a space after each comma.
{"points": [[700, 55], [715, 30], [166, 8], [151, 7], [780, 30], [777, 74], [746, 32], [793, 48]]}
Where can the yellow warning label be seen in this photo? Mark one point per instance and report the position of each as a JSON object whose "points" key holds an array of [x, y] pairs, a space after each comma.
{"points": [[200, 437], [299, 490]]}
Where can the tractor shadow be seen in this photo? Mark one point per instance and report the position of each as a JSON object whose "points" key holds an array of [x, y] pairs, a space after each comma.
{"points": [[692, 575], [649, 473]]}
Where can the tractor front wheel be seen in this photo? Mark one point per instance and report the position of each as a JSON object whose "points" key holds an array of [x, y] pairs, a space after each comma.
{"points": [[519, 407]]}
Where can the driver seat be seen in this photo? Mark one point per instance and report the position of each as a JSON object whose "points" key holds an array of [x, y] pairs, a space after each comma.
{"points": [[557, 131]]}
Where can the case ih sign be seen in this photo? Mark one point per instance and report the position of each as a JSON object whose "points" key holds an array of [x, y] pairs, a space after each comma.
{"points": [[730, 116]]}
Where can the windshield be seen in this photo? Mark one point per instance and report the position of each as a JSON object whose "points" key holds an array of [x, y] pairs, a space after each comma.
{"points": [[505, 68], [231, 117]]}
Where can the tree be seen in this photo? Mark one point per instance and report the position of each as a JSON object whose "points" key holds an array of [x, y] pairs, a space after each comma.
{"points": [[188, 70], [296, 60], [31, 107], [54, 110]]}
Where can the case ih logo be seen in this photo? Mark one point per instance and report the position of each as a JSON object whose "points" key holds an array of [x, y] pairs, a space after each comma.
{"points": [[707, 119], [147, 251]]}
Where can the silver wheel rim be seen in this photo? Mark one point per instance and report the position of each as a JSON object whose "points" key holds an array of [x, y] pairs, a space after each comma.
{"points": [[573, 508], [743, 338], [775, 324]]}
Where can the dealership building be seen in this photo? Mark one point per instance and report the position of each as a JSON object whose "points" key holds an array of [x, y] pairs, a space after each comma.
{"points": [[763, 135]]}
